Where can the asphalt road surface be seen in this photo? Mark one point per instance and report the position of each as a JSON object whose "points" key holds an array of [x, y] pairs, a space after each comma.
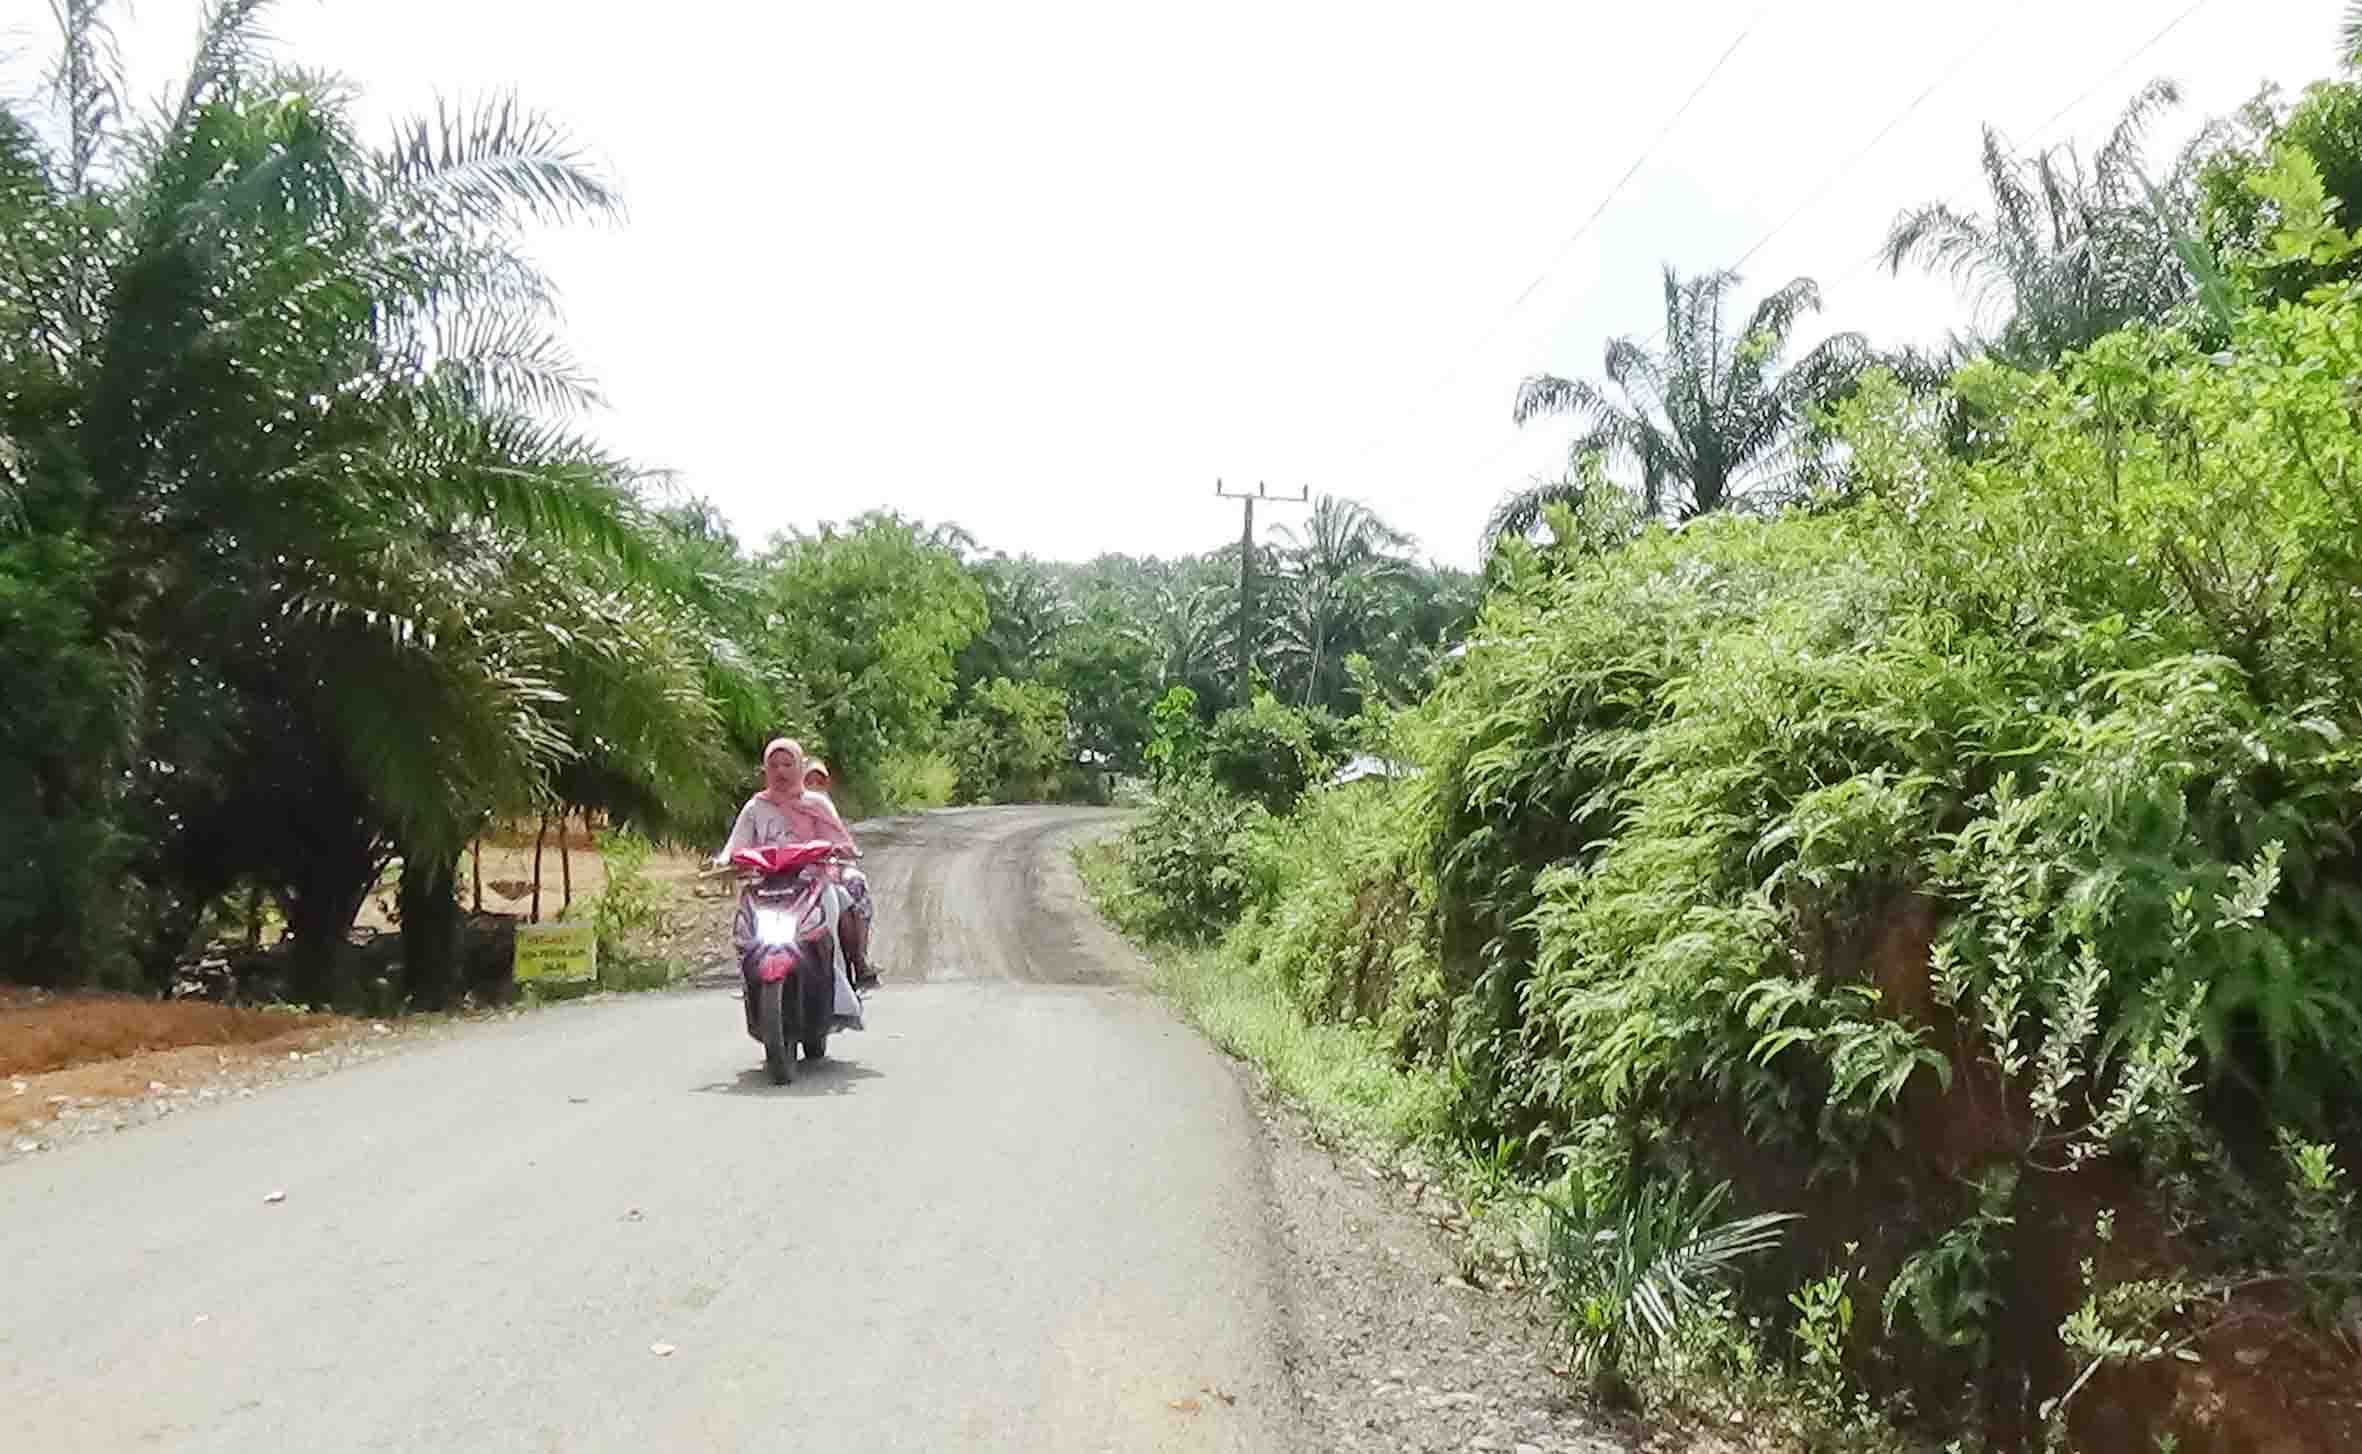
{"points": [[1024, 1210]]}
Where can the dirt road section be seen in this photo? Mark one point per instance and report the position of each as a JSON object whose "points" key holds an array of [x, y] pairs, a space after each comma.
{"points": [[989, 894]]}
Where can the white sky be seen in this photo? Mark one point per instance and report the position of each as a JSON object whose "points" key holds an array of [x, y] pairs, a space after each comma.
{"points": [[1049, 269]]}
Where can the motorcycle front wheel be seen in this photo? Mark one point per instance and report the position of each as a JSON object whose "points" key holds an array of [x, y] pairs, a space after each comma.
{"points": [[777, 1059]]}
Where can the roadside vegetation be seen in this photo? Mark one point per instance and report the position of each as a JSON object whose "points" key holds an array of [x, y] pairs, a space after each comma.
{"points": [[1862, 886], [314, 581], [1872, 913]]}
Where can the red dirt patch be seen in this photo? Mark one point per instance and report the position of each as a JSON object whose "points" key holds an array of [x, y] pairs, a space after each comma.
{"points": [[2255, 1378], [150, 1073], [57, 1033], [2263, 1383]]}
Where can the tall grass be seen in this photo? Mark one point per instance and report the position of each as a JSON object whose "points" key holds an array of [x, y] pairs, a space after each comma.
{"points": [[1344, 1075]]}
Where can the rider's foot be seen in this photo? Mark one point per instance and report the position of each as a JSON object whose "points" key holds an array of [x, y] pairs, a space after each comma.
{"points": [[865, 978]]}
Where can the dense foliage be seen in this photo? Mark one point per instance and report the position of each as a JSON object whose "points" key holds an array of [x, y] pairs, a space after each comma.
{"points": [[290, 497], [310, 575], [1961, 865]]}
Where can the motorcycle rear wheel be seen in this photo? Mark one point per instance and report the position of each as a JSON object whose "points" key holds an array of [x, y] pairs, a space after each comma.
{"points": [[777, 1059]]}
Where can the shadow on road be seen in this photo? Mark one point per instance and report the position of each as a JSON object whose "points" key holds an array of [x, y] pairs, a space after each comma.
{"points": [[828, 1078]]}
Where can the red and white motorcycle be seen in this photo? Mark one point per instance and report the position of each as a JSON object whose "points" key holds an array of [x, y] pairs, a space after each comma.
{"points": [[796, 986]]}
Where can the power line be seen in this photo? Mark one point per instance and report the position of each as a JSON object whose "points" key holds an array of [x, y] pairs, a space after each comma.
{"points": [[1629, 173], [2122, 66], [1451, 375], [1878, 255], [1943, 79], [1950, 71], [1948, 74]]}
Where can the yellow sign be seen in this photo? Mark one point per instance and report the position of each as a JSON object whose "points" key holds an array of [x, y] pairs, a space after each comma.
{"points": [[557, 952]]}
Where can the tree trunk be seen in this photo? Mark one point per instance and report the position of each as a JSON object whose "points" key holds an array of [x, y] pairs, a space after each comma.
{"points": [[431, 931], [254, 916], [565, 859], [475, 853], [320, 914], [539, 838], [1320, 647]]}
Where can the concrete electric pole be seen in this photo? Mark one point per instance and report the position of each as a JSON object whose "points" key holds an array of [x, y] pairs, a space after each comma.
{"points": [[1246, 576]]}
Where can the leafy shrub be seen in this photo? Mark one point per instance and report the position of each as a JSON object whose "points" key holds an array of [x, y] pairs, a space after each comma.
{"points": [[1176, 743], [1342, 919], [1626, 1273], [909, 782], [1951, 1288], [1010, 744], [627, 911], [2324, 1244], [1193, 855], [1658, 775], [1272, 753], [2239, 217]]}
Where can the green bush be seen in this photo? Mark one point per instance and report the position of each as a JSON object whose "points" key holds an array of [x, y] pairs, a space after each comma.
{"points": [[2012, 795], [1010, 745], [1193, 855], [1341, 918], [2325, 127], [1661, 779], [1273, 753], [909, 782], [1176, 743], [626, 913]]}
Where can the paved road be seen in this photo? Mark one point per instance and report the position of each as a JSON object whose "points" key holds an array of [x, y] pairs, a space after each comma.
{"points": [[1023, 1211]]}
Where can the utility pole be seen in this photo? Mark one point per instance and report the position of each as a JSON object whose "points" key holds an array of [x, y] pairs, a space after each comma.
{"points": [[1246, 575]]}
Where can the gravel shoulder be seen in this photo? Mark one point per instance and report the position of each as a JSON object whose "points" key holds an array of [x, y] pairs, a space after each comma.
{"points": [[50, 1110]]}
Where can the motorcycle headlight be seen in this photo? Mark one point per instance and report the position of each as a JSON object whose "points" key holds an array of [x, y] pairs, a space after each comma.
{"points": [[774, 926]]}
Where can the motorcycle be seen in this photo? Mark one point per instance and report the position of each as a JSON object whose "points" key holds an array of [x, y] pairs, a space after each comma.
{"points": [[791, 968]]}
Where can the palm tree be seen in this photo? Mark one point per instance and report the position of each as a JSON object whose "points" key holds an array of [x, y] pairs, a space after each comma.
{"points": [[305, 395], [1026, 612], [1332, 573], [2075, 251], [1711, 422], [2349, 34], [1187, 622]]}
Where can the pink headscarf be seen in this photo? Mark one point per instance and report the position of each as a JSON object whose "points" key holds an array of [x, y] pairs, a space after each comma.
{"points": [[795, 787]]}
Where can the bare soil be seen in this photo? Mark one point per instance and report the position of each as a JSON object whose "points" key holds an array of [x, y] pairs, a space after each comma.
{"points": [[506, 859], [172, 1056], [41, 1032]]}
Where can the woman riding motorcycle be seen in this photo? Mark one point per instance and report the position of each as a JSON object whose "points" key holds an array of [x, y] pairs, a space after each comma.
{"points": [[785, 812]]}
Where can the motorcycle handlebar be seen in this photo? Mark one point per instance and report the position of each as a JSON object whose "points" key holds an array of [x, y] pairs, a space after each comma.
{"points": [[722, 870]]}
